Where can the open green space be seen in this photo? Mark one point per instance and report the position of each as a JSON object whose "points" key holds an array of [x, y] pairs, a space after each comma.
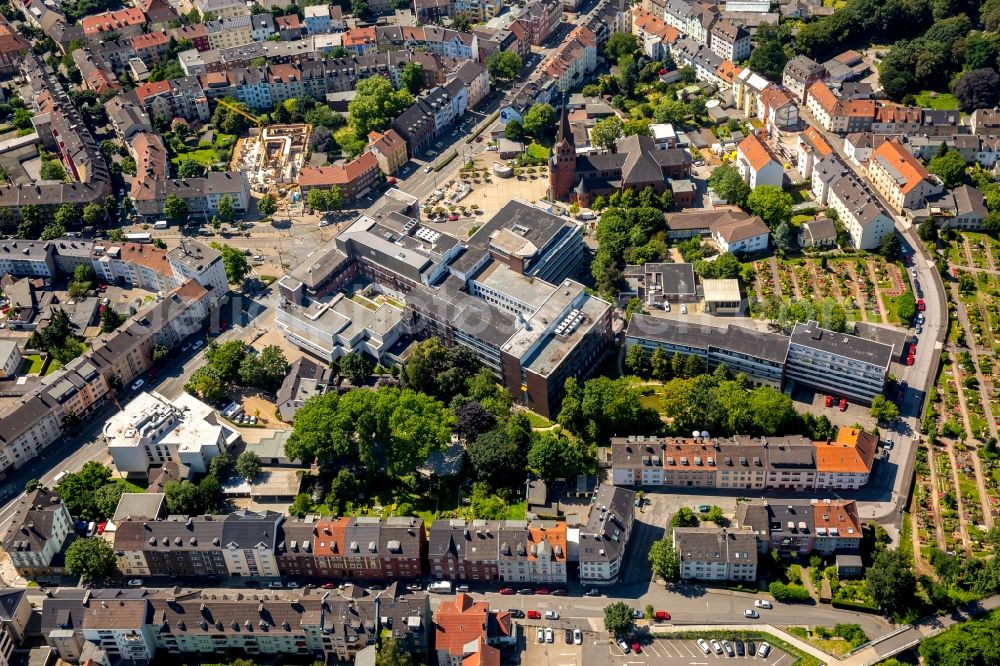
{"points": [[537, 420], [31, 364], [537, 151], [930, 99]]}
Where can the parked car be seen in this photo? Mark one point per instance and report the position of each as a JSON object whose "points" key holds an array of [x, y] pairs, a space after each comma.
{"points": [[636, 648], [592, 592], [540, 635], [428, 168], [728, 647], [662, 616], [551, 615], [740, 650], [549, 635], [716, 646], [559, 592], [624, 646], [568, 636], [577, 637], [762, 603], [453, 218], [751, 648], [332, 586], [292, 585], [703, 645], [751, 613], [138, 384], [275, 585], [765, 649], [526, 590], [541, 590], [459, 588], [135, 582], [507, 590], [843, 404], [516, 613], [829, 401], [534, 615], [637, 614]]}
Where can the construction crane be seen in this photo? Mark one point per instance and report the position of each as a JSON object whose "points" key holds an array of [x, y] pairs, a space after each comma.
{"points": [[232, 107]]}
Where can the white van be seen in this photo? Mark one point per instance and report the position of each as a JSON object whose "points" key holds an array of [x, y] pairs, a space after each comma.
{"points": [[440, 587], [161, 224]]}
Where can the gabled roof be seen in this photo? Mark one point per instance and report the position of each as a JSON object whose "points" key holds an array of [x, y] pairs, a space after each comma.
{"points": [[757, 154], [460, 623], [907, 171], [815, 140]]}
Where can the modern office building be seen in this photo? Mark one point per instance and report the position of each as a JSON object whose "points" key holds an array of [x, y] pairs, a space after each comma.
{"points": [[837, 363]]}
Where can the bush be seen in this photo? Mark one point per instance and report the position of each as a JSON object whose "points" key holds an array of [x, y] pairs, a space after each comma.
{"points": [[789, 593], [859, 606]]}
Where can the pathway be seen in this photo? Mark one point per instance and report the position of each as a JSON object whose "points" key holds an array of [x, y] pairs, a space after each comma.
{"points": [[858, 294], [963, 523], [882, 312], [989, 256], [935, 502], [796, 288], [775, 276]]}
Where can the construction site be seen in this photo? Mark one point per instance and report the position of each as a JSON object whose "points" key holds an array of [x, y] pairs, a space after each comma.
{"points": [[272, 156]]}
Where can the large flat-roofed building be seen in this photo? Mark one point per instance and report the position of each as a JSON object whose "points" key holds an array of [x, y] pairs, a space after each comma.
{"points": [[153, 430], [712, 553], [837, 363], [759, 355], [334, 327], [566, 337]]}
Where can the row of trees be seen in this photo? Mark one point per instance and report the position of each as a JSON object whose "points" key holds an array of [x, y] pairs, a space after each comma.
{"points": [[631, 231]]}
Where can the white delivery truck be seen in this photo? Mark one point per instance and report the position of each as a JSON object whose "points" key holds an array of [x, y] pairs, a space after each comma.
{"points": [[440, 587]]}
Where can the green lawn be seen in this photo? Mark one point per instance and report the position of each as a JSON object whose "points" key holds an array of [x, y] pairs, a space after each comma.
{"points": [[203, 156], [537, 420], [537, 151], [930, 99], [53, 366], [31, 364]]}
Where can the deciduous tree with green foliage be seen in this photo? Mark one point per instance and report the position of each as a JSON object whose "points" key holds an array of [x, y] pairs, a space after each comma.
{"points": [[248, 465], [606, 132], [890, 581], [504, 65], [175, 208], [554, 455], [949, 166], [91, 559], [356, 367], [77, 489], [684, 518], [665, 561], [412, 77], [618, 619], [375, 104], [728, 183], [771, 203], [235, 262]]}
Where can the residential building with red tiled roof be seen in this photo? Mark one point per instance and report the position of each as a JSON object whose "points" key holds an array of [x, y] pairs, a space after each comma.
{"points": [[150, 47], [289, 26], [847, 461], [758, 163], [195, 33], [12, 48], [360, 41], [466, 633], [353, 178], [839, 115], [812, 147], [900, 177], [778, 108], [124, 22], [727, 73], [654, 34], [389, 149]]}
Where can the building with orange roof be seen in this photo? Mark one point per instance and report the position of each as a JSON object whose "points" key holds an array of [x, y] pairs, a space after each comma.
{"points": [[900, 177], [533, 554], [778, 108], [12, 48], [655, 35], [150, 47], [798, 527], [839, 115], [96, 76], [812, 147], [353, 178], [389, 150], [359, 41], [847, 461], [758, 163], [727, 73], [124, 23], [573, 59], [466, 632], [288, 26]]}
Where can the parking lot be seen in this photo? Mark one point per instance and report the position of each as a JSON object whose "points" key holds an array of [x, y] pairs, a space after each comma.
{"points": [[686, 651], [559, 652]]}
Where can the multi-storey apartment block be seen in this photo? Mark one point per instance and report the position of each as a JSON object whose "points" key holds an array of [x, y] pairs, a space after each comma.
{"points": [[837, 363], [708, 553], [38, 530]]}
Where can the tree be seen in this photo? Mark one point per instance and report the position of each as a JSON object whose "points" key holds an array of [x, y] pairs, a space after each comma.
{"points": [[226, 208], [513, 130], [498, 456], [621, 44], [248, 465], [267, 204], [110, 319], [715, 515], [301, 506], [606, 132], [225, 359], [728, 183], [234, 261], [52, 170], [94, 214], [356, 367], [769, 59], [412, 77], [77, 489], [392, 653], [206, 384], [504, 65], [106, 499], [190, 169], [344, 487], [890, 581], [360, 8], [175, 208], [540, 121], [883, 409], [636, 360], [472, 420], [375, 104], [53, 231], [949, 167], [906, 307], [91, 559], [684, 518], [771, 203], [182, 498], [618, 619], [890, 247], [556, 456], [978, 89], [665, 561]]}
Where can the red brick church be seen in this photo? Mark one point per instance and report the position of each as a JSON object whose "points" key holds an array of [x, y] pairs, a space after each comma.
{"points": [[636, 163]]}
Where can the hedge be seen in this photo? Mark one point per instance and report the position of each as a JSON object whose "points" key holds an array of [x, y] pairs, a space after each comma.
{"points": [[860, 606], [782, 592], [448, 160]]}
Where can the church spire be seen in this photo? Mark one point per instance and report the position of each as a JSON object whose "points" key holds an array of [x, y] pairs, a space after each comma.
{"points": [[565, 134]]}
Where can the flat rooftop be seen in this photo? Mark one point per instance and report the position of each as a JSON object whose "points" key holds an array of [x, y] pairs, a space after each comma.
{"points": [[725, 291], [500, 278], [810, 334], [771, 347], [557, 327]]}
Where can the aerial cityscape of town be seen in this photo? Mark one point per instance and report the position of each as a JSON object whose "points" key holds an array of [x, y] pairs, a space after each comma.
{"points": [[496, 332]]}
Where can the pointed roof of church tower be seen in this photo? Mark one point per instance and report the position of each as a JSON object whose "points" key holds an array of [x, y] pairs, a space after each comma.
{"points": [[565, 134]]}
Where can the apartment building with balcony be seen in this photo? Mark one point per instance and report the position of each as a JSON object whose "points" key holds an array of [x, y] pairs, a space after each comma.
{"points": [[837, 363], [37, 532], [713, 554]]}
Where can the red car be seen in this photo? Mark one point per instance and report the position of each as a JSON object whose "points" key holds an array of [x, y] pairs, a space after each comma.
{"points": [[101, 526], [329, 586], [909, 360], [843, 405], [453, 218], [506, 590], [534, 615], [542, 590], [479, 139], [636, 648], [921, 306], [390, 180], [829, 401], [662, 616]]}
